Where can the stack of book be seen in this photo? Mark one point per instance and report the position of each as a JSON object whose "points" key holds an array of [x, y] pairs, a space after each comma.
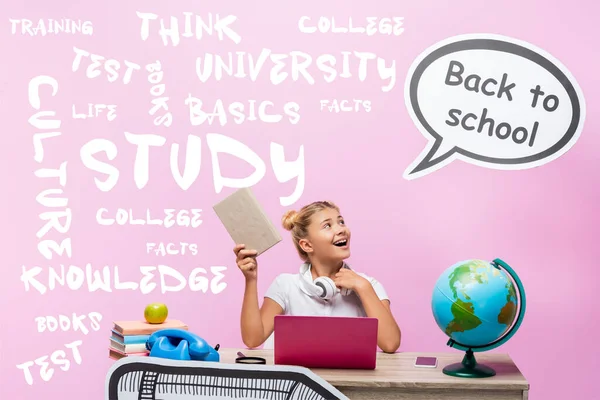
{"points": [[129, 338]]}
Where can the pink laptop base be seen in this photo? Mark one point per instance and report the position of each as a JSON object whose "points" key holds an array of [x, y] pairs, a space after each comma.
{"points": [[326, 342]]}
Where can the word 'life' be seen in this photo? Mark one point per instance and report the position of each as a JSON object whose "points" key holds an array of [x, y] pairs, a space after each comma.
{"points": [[95, 111]]}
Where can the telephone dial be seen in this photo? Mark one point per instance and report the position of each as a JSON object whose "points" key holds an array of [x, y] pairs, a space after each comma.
{"points": [[179, 344]]}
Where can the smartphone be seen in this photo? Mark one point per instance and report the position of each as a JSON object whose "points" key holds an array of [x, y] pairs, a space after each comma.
{"points": [[426, 362]]}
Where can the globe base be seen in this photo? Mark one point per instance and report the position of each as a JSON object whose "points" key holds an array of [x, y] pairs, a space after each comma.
{"points": [[469, 368]]}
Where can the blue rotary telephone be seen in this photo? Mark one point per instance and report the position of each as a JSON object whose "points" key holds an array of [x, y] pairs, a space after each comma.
{"points": [[179, 344]]}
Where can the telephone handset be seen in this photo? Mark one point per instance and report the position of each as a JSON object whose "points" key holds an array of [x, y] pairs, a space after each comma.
{"points": [[179, 344]]}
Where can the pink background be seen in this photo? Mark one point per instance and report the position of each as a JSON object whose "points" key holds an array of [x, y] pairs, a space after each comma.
{"points": [[543, 221]]}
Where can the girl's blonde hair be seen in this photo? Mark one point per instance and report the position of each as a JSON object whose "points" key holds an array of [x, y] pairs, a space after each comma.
{"points": [[297, 222]]}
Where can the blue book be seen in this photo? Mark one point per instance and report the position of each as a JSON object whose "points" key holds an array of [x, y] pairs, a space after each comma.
{"points": [[129, 339]]}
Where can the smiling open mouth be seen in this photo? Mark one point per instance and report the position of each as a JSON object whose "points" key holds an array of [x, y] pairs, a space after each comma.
{"points": [[341, 243]]}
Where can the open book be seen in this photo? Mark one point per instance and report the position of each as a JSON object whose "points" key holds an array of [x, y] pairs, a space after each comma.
{"points": [[246, 221]]}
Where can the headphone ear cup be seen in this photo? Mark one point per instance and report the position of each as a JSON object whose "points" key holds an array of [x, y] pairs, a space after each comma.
{"points": [[327, 286]]}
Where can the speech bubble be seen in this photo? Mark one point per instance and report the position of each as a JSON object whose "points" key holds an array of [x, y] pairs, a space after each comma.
{"points": [[491, 101]]}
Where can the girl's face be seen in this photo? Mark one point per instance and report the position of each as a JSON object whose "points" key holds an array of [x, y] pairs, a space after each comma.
{"points": [[328, 236]]}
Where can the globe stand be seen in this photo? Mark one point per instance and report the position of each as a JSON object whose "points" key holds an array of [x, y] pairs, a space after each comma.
{"points": [[469, 368]]}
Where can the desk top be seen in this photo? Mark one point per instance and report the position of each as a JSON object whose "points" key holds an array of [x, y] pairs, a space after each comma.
{"points": [[398, 370]]}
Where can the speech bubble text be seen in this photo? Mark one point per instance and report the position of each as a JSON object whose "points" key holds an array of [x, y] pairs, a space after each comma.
{"points": [[491, 101]]}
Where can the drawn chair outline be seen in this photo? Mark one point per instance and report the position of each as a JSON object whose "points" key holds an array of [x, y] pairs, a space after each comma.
{"points": [[146, 376]]}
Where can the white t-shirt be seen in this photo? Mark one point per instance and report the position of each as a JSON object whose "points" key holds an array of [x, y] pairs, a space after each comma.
{"points": [[287, 291]]}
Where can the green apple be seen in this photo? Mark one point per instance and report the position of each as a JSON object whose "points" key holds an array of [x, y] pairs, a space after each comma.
{"points": [[156, 313]]}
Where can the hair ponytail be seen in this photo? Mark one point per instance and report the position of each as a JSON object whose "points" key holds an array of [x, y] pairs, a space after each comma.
{"points": [[297, 222]]}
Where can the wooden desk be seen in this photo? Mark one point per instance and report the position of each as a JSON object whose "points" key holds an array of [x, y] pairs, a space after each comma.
{"points": [[396, 378]]}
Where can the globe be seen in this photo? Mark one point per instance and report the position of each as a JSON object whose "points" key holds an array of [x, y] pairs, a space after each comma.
{"points": [[479, 305]]}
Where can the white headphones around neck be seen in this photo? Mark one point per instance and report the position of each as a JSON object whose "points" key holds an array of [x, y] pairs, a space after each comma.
{"points": [[323, 287]]}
